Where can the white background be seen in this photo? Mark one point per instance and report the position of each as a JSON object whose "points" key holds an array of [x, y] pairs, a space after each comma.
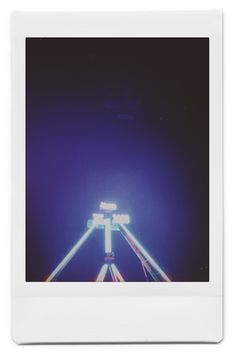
{"points": [[228, 345]]}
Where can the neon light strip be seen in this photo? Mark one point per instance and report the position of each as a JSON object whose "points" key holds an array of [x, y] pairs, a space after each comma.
{"points": [[140, 257], [112, 274], [69, 255], [102, 273], [144, 271], [117, 273], [108, 206], [107, 235], [146, 254], [147, 266]]}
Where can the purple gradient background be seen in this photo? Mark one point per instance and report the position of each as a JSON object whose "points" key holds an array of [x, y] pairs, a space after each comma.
{"points": [[123, 120]]}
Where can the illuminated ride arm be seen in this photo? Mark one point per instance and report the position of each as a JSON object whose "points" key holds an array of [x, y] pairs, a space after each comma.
{"points": [[146, 260], [69, 255]]}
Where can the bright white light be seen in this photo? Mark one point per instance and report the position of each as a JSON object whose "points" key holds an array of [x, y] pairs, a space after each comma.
{"points": [[98, 219], [116, 272], [120, 219], [145, 253], [114, 278], [108, 206], [107, 235], [102, 273], [70, 255]]}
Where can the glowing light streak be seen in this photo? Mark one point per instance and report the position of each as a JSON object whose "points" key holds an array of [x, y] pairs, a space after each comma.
{"points": [[143, 261], [108, 206], [120, 219], [145, 272], [107, 223], [69, 255], [98, 219], [112, 274], [146, 254], [102, 273], [116, 272]]}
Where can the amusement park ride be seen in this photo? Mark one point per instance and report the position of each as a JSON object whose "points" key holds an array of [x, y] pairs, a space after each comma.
{"points": [[110, 222]]}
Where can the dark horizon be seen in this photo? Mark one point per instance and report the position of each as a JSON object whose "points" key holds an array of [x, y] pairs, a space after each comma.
{"points": [[124, 120]]}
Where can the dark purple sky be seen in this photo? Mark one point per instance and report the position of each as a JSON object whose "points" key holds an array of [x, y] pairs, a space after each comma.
{"points": [[124, 120]]}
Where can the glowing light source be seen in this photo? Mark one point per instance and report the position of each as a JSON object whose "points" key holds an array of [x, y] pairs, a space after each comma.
{"points": [[120, 219], [107, 223], [102, 273], [145, 254], [108, 206], [70, 255], [116, 272], [112, 222], [113, 276], [98, 219]]}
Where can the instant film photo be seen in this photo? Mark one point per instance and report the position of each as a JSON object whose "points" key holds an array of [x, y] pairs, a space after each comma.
{"points": [[117, 177]]}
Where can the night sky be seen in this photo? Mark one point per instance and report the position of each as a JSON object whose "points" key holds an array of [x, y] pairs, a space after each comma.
{"points": [[124, 120]]}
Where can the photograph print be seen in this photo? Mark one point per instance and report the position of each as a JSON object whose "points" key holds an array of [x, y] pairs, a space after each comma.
{"points": [[117, 159]]}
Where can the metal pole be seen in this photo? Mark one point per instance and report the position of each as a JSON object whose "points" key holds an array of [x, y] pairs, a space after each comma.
{"points": [[143, 261], [102, 273], [70, 255], [145, 273], [112, 274], [145, 254], [116, 272], [108, 235]]}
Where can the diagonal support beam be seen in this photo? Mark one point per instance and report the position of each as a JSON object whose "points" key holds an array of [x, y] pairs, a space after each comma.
{"points": [[113, 276], [102, 273], [144, 272], [116, 272], [144, 262], [144, 253], [69, 255]]}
